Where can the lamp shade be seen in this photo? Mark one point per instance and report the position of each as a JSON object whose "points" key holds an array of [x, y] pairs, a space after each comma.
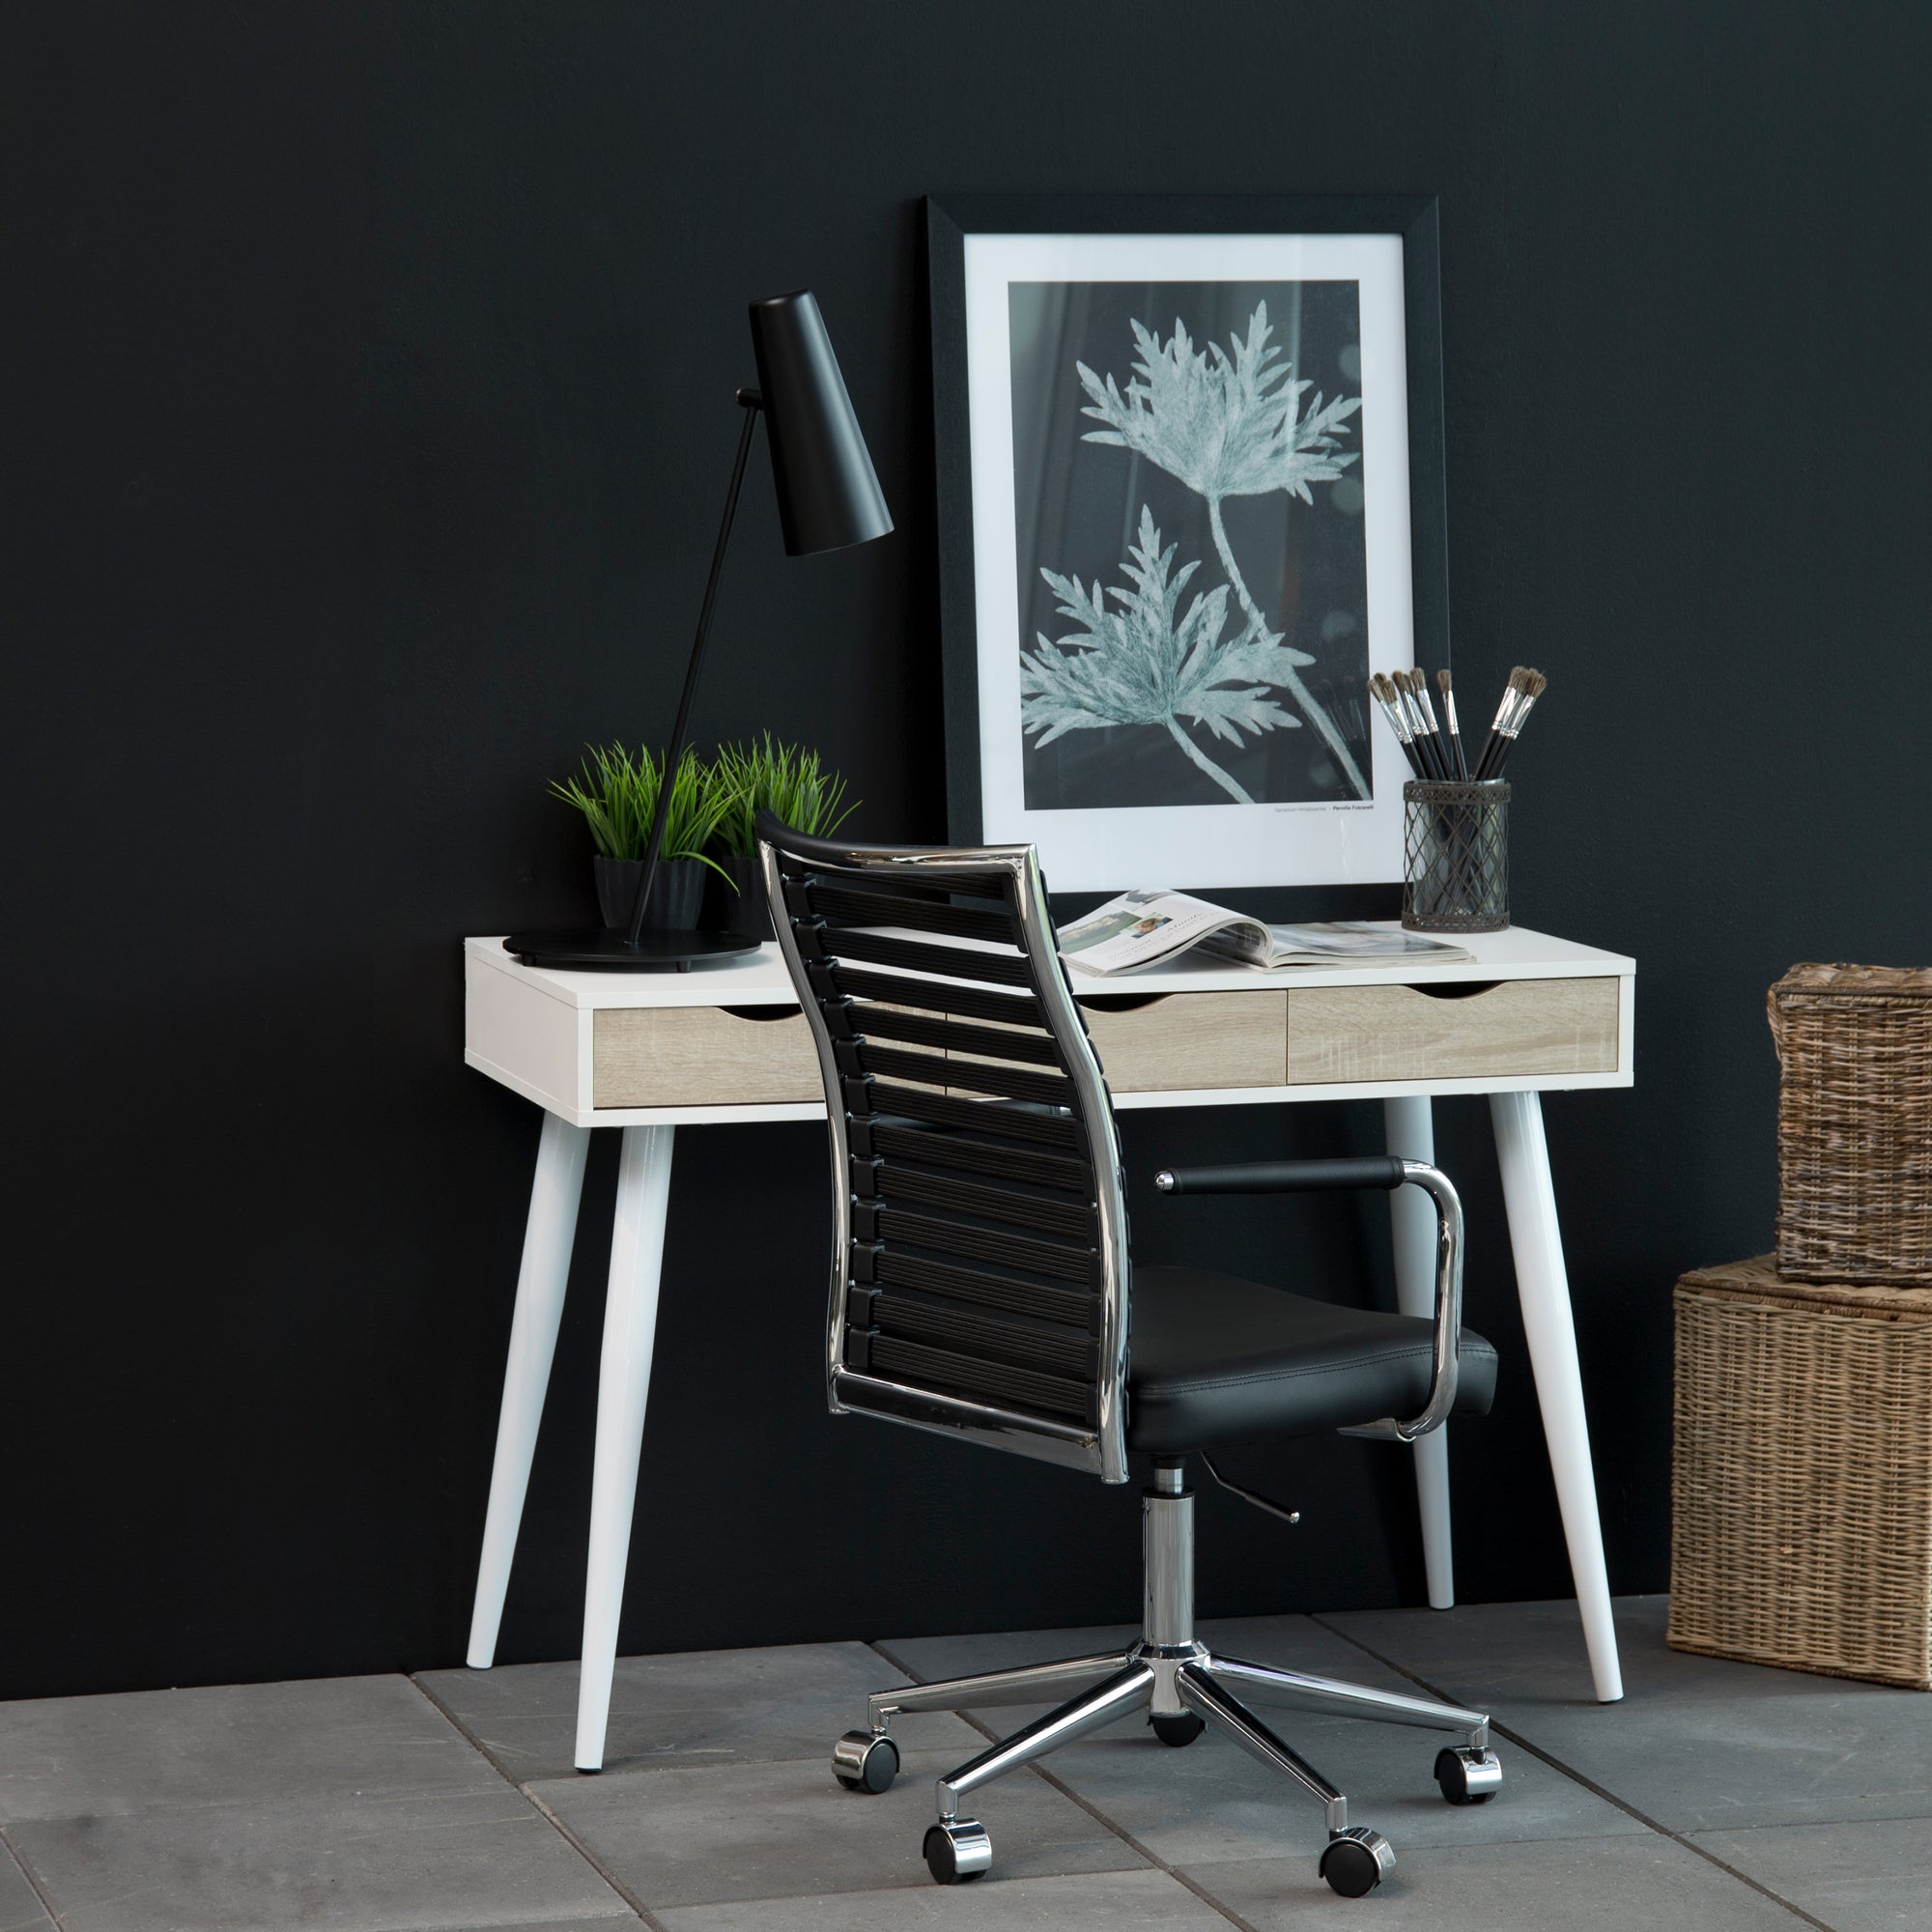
{"points": [[829, 494]]}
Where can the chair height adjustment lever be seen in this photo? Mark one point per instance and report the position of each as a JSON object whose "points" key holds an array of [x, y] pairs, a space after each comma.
{"points": [[1248, 1495]]}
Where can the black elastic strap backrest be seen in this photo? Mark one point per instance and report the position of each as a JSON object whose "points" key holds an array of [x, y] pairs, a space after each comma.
{"points": [[974, 1267], [979, 1002], [978, 1076], [1028, 1164], [984, 1116], [819, 900], [954, 962], [899, 1182], [880, 1022]]}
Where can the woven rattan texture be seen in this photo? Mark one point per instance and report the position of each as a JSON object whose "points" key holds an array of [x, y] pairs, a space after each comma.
{"points": [[1456, 857], [1854, 1122], [1802, 1475]]}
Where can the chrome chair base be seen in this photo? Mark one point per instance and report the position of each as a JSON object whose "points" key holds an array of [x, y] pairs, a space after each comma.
{"points": [[1175, 1678]]}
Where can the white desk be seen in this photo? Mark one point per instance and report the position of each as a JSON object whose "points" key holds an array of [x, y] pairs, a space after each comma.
{"points": [[651, 1052]]}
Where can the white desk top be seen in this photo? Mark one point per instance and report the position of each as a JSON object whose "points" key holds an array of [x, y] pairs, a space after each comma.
{"points": [[759, 978]]}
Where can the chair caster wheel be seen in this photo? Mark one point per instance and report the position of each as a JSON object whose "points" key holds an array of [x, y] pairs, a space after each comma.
{"points": [[958, 1849], [1357, 1860], [865, 1761], [1468, 1777], [1180, 1729]]}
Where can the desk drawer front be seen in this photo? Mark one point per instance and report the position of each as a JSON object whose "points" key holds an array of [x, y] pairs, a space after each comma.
{"points": [[1182, 1041], [1520, 1027], [701, 1057]]}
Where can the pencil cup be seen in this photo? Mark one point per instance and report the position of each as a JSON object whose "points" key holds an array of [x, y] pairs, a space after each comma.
{"points": [[1456, 857]]}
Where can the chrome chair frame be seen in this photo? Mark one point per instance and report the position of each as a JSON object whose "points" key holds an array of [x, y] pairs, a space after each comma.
{"points": [[1171, 1674], [1168, 1671]]}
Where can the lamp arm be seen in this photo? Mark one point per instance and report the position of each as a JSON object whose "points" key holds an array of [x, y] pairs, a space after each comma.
{"points": [[751, 402]]}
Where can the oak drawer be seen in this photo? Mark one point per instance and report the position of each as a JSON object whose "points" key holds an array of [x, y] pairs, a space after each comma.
{"points": [[1172, 1042], [1337, 1033], [701, 1057]]}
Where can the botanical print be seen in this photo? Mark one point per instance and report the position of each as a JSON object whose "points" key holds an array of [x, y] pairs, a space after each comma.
{"points": [[1164, 686]]}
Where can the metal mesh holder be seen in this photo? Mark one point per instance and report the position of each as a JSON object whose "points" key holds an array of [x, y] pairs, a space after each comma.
{"points": [[1456, 857]]}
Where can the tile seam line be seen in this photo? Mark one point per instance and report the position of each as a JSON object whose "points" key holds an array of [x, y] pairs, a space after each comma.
{"points": [[33, 1885], [535, 1803], [596, 1865], [1589, 1784], [1099, 1817], [1812, 1825]]}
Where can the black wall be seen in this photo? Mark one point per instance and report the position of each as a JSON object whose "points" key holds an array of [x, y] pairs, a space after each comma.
{"points": [[369, 374]]}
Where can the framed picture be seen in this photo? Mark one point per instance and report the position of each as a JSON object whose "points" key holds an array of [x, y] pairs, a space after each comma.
{"points": [[1190, 493]]}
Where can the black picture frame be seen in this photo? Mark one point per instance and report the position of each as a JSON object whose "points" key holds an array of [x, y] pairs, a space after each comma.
{"points": [[950, 219]]}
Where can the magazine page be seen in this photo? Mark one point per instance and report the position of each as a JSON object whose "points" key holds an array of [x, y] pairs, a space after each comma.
{"points": [[1353, 941], [1141, 929], [1339, 942]]}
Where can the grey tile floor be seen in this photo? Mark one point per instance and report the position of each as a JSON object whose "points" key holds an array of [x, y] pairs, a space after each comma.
{"points": [[1718, 1797]]}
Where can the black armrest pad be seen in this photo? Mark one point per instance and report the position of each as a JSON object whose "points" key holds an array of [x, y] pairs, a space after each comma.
{"points": [[1284, 1177]]}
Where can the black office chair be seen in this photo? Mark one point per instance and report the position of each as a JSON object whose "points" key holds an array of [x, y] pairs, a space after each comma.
{"points": [[982, 1289]]}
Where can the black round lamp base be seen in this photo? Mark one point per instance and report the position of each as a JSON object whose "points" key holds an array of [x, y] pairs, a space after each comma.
{"points": [[596, 948]]}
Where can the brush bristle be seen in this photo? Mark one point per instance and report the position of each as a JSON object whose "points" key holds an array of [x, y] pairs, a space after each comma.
{"points": [[1442, 680], [1385, 694]]}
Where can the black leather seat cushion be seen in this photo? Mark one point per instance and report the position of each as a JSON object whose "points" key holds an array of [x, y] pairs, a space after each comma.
{"points": [[1218, 1359]]}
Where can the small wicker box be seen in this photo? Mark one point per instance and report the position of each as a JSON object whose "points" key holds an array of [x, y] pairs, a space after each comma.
{"points": [[1801, 1478], [1854, 1122]]}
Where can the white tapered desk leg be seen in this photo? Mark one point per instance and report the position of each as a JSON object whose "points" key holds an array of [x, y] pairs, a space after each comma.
{"points": [[623, 1383], [1543, 1286], [548, 1238], [1409, 1130]]}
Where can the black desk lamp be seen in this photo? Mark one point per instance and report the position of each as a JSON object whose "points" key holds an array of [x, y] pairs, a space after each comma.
{"points": [[827, 498]]}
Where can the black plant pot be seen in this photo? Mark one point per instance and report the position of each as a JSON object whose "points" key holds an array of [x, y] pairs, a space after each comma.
{"points": [[744, 909], [677, 892]]}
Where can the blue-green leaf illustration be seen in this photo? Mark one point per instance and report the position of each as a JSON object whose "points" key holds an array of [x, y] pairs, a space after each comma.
{"points": [[1225, 425], [1149, 663], [1231, 425]]}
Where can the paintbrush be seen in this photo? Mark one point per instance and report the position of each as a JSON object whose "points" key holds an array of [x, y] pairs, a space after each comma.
{"points": [[1449, 719], [1434, 754], [1505, 710], [1385, 694], [1418, 683], [1524, 688], [1532, 688], [1413, 711], [1406, 708]]}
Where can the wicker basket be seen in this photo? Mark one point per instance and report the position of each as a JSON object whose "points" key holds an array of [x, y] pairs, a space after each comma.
{"points": [[1802, 1479], [1854, 1122]]}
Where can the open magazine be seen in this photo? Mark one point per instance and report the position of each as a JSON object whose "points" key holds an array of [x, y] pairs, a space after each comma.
{"points": [[1141, 929]]}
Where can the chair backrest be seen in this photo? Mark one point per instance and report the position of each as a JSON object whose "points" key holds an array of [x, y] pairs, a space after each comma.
{"points": [[980, 1269]]}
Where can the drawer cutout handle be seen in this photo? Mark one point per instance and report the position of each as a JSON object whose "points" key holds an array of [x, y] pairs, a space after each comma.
{"points": [[764, 1013], [1119, 1003], [1457, 989]]}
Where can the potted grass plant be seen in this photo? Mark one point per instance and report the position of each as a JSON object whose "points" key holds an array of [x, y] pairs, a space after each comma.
{"points": [[766, 776], [617, 795]]}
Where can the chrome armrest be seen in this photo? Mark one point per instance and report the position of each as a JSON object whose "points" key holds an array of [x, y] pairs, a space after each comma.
{"points": [[1387, 1171]]}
